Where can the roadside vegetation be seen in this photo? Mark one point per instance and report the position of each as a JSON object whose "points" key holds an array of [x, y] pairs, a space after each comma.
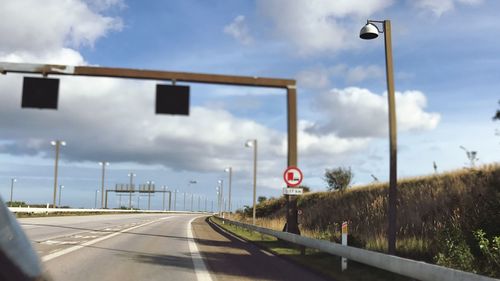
{"points": [[322, 263], [451, 219]]}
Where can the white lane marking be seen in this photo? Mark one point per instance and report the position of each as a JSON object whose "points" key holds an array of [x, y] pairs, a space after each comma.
{"points": [[199, 265], [55, 242], [91, 242]]}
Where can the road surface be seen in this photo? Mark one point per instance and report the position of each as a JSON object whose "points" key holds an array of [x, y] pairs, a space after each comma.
{"points": [[150, 247]]}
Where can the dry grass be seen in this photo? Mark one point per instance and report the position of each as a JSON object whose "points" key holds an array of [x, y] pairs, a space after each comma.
{"points": [[425, 206]]}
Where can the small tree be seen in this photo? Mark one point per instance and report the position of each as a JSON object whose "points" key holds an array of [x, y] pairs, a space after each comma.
{"points": [[261, 199], [339, 178]]}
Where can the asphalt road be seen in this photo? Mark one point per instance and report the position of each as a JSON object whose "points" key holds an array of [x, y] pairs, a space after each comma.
{"points": [[150, 247]]}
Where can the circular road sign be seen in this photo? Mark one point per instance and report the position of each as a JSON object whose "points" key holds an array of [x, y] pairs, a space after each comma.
{"points": [[293, 176]]}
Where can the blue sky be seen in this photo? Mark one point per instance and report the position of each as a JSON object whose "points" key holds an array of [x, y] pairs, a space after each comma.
{"points": [[446, 68]]}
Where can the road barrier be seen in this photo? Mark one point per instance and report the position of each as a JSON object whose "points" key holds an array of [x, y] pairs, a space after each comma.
{"points": [[415, 269], [28, 210]]}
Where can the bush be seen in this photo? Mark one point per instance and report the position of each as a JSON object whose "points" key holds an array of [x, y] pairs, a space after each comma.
{"points": [[339, 178], [490, 252]]}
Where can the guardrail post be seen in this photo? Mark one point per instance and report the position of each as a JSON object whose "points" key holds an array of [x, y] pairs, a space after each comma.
{"points": [[343, 261]]}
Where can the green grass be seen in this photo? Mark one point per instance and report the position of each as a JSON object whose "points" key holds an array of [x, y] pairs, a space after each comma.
{"points": [[323, 263]]}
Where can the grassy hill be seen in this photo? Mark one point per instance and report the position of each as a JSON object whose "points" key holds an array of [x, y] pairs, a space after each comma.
{"points": [[440, 217]]}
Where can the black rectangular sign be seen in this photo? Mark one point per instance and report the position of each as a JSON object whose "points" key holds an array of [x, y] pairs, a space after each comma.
{"points": [[40, 93], [172, 99]]}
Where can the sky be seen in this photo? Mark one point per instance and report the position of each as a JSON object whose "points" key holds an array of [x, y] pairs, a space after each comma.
{"points": [[446, 68]]}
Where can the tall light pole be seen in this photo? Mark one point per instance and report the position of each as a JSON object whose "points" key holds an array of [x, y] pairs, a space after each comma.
{"points": [[230, 171], [190, 182], [163, 205], [218, 199], [95, 200], [131, 175], [12, 181], [192, 197], [371, 31], [185, 201], [175, 199], [57, 144], [150, 189], [221, 195], [253, 143], [103, 164], [60, 193]]}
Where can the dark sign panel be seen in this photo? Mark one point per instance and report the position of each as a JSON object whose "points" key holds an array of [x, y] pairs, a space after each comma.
{"points": [[172, 99], [40, 93]]}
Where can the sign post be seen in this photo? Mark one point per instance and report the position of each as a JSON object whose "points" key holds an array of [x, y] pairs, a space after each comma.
{"points": [[293, 177], [343, 262]]}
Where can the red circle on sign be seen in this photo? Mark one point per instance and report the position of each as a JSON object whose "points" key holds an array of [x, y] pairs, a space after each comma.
{"points": [[287, 179]]}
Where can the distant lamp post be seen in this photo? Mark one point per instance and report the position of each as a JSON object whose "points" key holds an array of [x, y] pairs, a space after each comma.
{"points": [[61, 187], [221, 195], [230, 171], [253, 143], [371, 31], [189, 184], [103, 164], [131, 176], [150, 186], [12, 181], [175, 198], [163, 202], [95, 200], [218, 198], [57, 144]]}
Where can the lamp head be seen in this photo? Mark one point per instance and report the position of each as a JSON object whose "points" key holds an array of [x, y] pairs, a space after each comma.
{"points": [[369, 31], [249, 143], [227, 169], [63, 143]]}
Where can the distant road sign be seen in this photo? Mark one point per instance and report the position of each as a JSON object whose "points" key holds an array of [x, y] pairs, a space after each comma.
{"points": [[293, 176], [293, 191]]}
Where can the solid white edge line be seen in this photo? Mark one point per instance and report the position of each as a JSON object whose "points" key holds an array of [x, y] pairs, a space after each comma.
{"points": [[199, 264], [91, 242]]}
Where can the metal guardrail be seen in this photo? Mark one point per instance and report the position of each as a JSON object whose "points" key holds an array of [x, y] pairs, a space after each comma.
{"points": [[406, 267], [67, 210]]}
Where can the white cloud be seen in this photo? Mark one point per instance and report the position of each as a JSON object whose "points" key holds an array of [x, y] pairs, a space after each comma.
{"points": [[44, 27], [361, 73], [320, 77], [439, 7], [322, 25], [238, 29], [355, 112]]}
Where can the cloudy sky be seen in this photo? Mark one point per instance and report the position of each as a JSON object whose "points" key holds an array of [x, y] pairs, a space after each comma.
{"points": [[446, 76]]}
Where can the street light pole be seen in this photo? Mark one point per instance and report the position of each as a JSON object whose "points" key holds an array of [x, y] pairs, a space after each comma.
{"points": [[230, 170], [150, 183], [131, 189], [185, 201], [12, 181], [371, 31], [57, 144], [253, 143], [103, 164], [60, 192], [192, 196], [175, 199], [221, 195], [163, 205]]}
